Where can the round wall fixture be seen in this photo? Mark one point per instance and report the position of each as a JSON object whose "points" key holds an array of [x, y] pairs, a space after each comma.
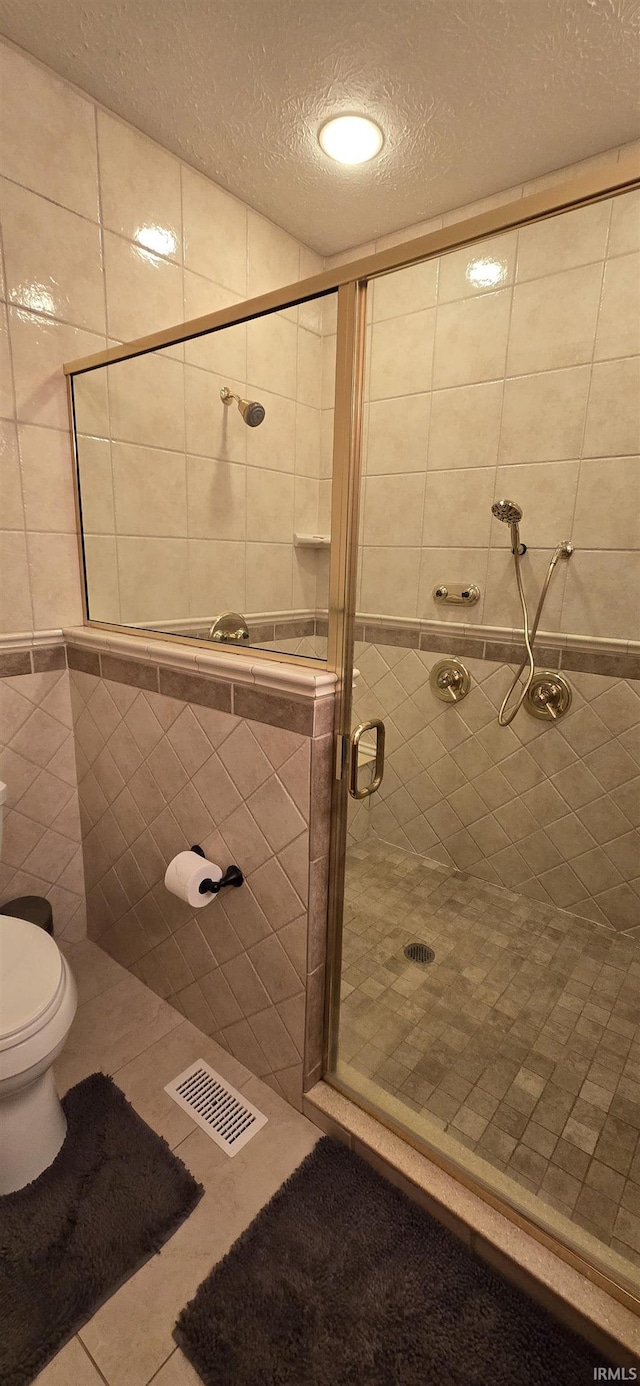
{"points": [[351, 139], [549, 695], [449, 680]]}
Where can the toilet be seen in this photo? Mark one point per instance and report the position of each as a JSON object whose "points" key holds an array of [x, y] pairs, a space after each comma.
{"points": [[38, 1001]]}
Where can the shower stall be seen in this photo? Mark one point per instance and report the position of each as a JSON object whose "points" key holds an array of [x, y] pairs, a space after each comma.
{"points": [[487, 997], [483, 944]]}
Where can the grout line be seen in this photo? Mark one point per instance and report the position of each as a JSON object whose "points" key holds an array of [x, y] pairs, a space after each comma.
{"points": [[84, 575], [170, 1355], [40, 317], [189, 571], [491, 548], [89, 1355], [591, 365], [16, 428], [424, 511]]}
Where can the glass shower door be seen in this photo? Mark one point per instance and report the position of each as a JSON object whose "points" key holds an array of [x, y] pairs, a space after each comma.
{"points": [[490, 932]]}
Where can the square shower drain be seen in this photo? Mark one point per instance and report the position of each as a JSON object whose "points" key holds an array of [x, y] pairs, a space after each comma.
{"points": [[218, 1108]]}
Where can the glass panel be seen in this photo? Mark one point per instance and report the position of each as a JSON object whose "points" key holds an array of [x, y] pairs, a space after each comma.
{"points": [[508, 854], [194, 508]]}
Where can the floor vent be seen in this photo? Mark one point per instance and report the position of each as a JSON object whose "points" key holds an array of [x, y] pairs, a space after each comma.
{"points": [[419, 953], [218, 1108]]}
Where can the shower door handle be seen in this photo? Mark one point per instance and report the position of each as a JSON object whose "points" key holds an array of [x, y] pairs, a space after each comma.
{"points": [[378, 770]]}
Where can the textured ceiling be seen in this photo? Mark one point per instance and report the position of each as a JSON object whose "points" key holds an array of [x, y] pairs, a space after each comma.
{"points": [[473, 95]]}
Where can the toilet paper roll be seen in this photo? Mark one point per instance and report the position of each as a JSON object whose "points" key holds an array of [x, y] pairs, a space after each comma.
{"points": [[185, 874]]}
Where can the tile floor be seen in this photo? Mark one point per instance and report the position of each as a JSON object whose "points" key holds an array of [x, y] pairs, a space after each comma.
{"points": [[521, 1039], [126, 1030]]}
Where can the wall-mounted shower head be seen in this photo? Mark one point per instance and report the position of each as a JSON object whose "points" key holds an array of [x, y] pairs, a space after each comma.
{"points": [[508, 511], [252, 411]]}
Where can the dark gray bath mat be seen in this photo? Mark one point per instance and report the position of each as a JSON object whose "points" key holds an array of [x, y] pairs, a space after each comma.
{"points": [[112, 1196], [342, 1281]]}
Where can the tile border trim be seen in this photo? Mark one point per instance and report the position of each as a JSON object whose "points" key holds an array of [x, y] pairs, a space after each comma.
{"points": [[35, 652], [260, 693], [281, 696], [310, 684], [580, 654], [33, 659], [290, 712]]}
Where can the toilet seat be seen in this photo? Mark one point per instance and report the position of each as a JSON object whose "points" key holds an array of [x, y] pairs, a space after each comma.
{"points": [[32, 980]]}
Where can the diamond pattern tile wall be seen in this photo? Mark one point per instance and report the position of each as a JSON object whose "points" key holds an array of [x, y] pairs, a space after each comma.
{"points": [[157, 775], [551, 812], [41, 846]]}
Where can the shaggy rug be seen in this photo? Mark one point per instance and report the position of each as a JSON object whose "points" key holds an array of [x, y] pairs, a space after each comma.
{"points": [[113, 1195], [342, 1281]]}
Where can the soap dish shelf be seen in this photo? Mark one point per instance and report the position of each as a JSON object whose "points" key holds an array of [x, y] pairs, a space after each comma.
{"points": [[311, 541]]}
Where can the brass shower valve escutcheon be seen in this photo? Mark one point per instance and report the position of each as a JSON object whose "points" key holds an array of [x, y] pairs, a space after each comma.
{"points": [[549, 695], [450, 680]]}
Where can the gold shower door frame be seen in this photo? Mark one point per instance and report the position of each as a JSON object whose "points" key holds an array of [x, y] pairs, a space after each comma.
{"points": [[613, 177]]}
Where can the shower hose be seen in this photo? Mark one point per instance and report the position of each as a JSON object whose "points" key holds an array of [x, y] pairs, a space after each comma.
{"points": [[564, 550]]}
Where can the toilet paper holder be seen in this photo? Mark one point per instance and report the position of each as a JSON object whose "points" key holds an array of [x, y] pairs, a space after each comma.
{"points": [[232, 877]]}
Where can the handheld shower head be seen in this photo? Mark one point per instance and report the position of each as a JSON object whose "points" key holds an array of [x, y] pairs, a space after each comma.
{"points": [[252, 411], [508, 511], [511, 514]]}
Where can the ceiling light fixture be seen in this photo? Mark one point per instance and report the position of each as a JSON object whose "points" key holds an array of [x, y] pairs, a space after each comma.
{"points": [[351, 139]]}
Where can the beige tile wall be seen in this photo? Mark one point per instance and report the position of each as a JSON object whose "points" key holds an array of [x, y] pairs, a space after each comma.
{"points": [[530, 382], [157, 774], [105, 237], [510, 368], [41, 844], [549, 811]]}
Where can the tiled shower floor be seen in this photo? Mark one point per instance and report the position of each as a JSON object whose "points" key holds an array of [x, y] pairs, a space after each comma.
{"points": [[521, 1039]]}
